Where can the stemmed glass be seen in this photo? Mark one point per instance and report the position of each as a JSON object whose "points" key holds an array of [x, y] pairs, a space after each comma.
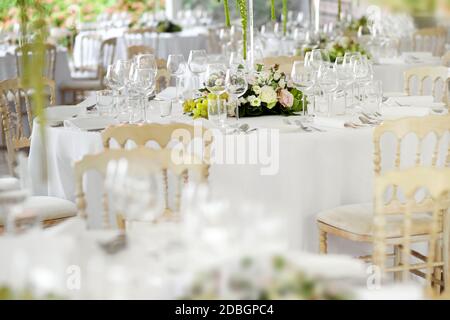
{"points": [[176, 66], [348, 61], [197, 63], [215, 83], [362, 71], [236, 84], [303, 79], [328, 81], [145, 61], [318, 57], [142, 80], [117, 78], [345, 76]]}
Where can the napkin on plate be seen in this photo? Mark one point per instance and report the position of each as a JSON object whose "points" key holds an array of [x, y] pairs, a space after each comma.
{"points": [[405, 111], [329, 122], [416, 101], [90, 123], [89, 102]]}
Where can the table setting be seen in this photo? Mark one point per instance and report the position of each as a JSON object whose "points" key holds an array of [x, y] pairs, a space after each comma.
{"points": [[284, 158]]}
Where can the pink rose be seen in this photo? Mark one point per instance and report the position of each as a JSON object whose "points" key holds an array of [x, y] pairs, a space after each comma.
{"points": [[286, 98]]}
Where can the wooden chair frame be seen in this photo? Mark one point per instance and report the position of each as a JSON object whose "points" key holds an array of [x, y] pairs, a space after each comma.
{"points": [[30, 49], [438, 33], [434, 73], [148, 161]]}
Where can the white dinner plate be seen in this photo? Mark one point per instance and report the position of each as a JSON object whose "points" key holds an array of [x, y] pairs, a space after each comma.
{"points": [[90, 123]]}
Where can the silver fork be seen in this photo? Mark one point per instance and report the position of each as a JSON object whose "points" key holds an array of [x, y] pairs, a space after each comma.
{"points": [[287, 121]]}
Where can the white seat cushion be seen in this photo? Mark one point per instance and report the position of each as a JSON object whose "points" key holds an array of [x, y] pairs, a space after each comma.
{"points": [[49, 208], [358, 219]]}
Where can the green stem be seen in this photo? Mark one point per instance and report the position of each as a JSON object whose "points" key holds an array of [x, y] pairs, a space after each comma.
{"points": [[272, 10], [243, 12], [227, 13], [285, 14], [339, 10]]}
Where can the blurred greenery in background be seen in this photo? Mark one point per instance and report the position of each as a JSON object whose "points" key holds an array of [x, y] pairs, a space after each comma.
{"points": [[66, 13]]}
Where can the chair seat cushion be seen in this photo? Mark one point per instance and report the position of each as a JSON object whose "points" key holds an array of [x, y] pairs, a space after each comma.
{"points": [[81, 84], [50, 208], [358, 219]]}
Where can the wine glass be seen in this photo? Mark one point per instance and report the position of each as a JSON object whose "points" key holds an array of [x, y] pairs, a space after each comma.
{"points": [[303, 79], [345, 76], [143, 82], [145, 61], [361, 71], [176, 67], [215, 80], [328, 81], [236, 84], [236, 60], [197, 63], [319, 57]]}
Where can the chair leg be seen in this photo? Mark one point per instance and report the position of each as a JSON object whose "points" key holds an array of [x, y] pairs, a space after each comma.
{"points": [[397, 262], [437, 272], [323, 246]]}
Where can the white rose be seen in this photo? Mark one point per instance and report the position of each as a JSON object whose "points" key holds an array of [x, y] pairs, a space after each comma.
{"points": [[242, 100], [282, 83], [268, 95], [256, 89], [344, 42], [276, 76], [219, 82], [255, 102]]}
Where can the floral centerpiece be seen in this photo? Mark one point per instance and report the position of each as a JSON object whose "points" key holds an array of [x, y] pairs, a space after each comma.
{"points": [[269, 92], [168, 26], [341, 45]]}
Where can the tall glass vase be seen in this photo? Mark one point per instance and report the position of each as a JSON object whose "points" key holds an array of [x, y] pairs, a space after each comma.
{"points": [[251, 35]]}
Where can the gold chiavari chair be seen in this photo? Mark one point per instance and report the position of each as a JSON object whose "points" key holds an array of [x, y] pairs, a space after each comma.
{"points": [[162, 135], [138, 49], [143, 161], [17, 119], [446, 59], [17, 114], [79, 86], [434, 74], [30, 50], [416, 219], [355, 222], [430, 38]]}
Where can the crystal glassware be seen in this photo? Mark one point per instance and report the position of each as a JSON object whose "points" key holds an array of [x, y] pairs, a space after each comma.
{"points": [[197, 63], [236, 84], [328, 81], [176, 65]]}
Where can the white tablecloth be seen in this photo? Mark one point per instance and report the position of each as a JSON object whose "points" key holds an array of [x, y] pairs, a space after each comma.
{"points": [[316, 171]]}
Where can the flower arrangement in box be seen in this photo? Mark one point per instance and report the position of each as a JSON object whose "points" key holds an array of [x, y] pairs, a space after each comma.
{"points": [[269, 93]]}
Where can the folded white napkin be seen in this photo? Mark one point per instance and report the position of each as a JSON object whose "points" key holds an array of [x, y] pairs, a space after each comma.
{"points": [[90, 123], [62, 112], [416, 101], [391, 60], [90, 101], [405, 111], [417, 55], [168, 93], [329, 122]]}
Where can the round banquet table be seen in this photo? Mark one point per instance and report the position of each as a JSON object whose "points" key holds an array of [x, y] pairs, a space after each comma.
{"points": [[314, 171]]}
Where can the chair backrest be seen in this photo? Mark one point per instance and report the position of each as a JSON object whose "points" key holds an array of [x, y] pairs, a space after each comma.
{"points": [[144, 161], [421, 127], [162, 79], [134, 50], [17, 113], [430, 39], [107, 54], [434, 73], [436, 182], [86, 52], [31, 50], [446, 59], [136, 37]]}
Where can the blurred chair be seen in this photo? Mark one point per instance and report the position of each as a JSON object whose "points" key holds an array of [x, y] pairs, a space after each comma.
{"points": [[143, 161], [414, 219], [17, 114], [434, 74], [355, 222], [30, 50], [430, 39], [136, 37], [138, 49], [162, 80], [446, 59], [105, 57], [285, 62], [50, 210]]}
